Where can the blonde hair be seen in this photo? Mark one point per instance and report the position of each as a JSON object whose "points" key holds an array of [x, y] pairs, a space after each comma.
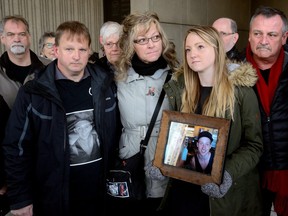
{"points": [[221, 99], [133, 25]]}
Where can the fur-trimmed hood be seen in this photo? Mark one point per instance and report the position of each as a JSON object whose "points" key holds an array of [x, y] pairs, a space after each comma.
{"points": [[242, 74]]}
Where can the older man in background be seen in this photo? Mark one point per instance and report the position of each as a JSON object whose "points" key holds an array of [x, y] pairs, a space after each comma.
{"points": [[227, 29]]}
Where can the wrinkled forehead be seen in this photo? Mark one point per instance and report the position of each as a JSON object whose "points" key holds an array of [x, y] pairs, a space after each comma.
{"points": [[222, 25], [112, 38], [273, 24], [10, 25]]}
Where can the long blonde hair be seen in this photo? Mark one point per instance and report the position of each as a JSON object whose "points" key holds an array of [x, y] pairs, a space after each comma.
{"points": [[222, 97], [133, 25]]}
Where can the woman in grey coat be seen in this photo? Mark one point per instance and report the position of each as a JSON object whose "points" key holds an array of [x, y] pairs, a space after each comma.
{"points": [[146, 60]]}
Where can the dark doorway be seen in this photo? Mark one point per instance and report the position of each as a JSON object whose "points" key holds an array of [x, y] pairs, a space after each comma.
{"points": [[116, 10]]}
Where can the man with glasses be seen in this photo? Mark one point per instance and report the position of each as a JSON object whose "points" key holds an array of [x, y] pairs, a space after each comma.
{"points": [[227, 29], [16, 63]]}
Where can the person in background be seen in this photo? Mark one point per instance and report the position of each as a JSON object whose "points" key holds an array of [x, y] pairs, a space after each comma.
{"points": [[109, 39], [40, 176], [46, 45], [141, 73], [184, 154], [208, 88], [265, 51], [227, 29], [16, 63]]}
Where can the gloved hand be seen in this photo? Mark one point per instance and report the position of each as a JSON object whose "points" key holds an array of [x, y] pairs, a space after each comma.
{"points": [[153, 172], [218, 191]]}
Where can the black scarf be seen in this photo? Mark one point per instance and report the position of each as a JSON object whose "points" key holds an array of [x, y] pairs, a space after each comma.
{"points": [[147, 69]]}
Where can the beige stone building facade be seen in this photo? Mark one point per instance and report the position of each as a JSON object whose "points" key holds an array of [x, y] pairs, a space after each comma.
{"points": [[175, 15]]}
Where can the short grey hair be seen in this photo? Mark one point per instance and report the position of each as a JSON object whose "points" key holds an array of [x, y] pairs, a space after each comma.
{"points": [[110, 28], [15, 18], [234, 27], [271, 12], [43, 37]]}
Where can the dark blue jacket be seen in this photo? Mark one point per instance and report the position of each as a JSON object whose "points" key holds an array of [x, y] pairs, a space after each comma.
{"points": [[36, 145], [4, 114]]}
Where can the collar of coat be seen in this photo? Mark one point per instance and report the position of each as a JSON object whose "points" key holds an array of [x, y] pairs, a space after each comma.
{"points": [[240, 74]]}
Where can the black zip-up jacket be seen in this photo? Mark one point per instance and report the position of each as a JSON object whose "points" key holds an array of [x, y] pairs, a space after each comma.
{"points": [[36, 145], [235, 55], [275, 126], [4, 114]]}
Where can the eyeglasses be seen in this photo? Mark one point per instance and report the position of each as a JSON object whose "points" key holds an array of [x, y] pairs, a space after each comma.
{"points": [[224, 34], [49, 45], [109, 45], [143, 41], [20, 35]]}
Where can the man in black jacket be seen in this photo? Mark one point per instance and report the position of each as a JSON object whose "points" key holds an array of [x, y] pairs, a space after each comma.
{"points": [[265, 51], [4, 114], [227, 29], [41, 177], [15, 65]]}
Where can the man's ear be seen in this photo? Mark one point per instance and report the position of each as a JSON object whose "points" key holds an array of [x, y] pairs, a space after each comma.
{"points": [[56, 51], [284, 38], [235, 37], [2, 38]]}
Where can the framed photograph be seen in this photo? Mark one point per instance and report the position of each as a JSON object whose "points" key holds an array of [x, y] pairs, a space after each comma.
{"points": [[192, 147]]}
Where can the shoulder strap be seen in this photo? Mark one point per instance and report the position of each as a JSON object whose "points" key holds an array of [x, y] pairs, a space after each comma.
{"points": [[144, 142]]}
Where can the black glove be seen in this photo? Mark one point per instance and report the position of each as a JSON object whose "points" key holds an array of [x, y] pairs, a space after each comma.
{"points": [[218, 191]]}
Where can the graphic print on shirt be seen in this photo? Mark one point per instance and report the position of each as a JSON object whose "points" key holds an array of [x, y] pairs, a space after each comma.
{"points": [[83, 138]]}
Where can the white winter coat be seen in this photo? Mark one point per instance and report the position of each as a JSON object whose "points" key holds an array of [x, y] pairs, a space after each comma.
{"points": [[138, 96]]}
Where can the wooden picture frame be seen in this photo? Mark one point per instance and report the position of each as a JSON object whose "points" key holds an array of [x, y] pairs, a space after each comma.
{"points": [[175, 132]]}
